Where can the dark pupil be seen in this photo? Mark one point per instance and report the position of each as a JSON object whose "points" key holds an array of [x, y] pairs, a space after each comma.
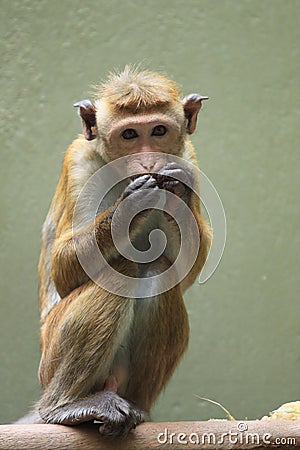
{"points": [[159, 130], [130, 133]]}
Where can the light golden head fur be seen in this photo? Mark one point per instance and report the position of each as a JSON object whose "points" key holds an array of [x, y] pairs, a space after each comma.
{"points": [[135, 91]]}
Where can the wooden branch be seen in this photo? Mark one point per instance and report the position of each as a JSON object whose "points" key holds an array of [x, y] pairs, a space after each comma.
{"points": [[214, 434]]}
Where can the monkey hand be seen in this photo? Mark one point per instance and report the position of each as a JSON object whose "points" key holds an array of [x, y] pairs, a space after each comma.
{"points": [[175, 179], [146, 188], [117, 416], [141, 182]]}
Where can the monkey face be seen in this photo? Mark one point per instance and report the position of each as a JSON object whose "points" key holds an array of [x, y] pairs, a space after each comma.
{"points": [[144, 135]]}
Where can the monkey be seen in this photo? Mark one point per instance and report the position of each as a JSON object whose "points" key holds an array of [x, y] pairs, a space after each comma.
{"points": [[104, 356]]}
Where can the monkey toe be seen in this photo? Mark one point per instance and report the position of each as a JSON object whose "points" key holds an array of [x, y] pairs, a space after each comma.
{"points": [[118, 416], [119, 423], [114, 429]]}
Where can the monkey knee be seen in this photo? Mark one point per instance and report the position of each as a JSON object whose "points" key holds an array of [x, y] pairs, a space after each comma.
{"points": [[122, 266], [158, 266]]}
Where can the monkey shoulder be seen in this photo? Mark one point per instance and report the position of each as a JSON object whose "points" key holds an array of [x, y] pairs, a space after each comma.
{"points": [[81, 161], [189, 153], [82, 156]]}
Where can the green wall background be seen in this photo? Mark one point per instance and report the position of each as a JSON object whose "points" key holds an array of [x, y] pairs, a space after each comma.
{"points": [[245, 340]]}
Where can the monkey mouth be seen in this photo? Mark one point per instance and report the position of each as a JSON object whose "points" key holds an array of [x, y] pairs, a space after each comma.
{"points": [[160, 178]]}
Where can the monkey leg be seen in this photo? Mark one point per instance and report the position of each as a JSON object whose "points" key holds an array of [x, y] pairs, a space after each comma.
{"points": [[80, 339], [160, 336]]}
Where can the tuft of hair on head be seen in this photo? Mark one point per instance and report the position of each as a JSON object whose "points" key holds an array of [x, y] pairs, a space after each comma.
{"points": [[135, 90]]}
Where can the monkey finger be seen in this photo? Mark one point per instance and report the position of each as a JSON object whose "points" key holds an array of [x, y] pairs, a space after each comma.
{"points": [[183, 174], [171, 168], [144, 181], [148, 198], [177, 173], [168, 184]]}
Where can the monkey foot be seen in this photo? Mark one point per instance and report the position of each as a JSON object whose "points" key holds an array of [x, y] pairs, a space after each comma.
{"points": [[117, 415]]}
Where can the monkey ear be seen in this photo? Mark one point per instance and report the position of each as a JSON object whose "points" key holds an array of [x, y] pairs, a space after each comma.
{"points": [[87, 112], [192, 105]]}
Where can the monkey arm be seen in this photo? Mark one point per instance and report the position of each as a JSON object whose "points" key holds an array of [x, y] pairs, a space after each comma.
{"points": [[181, 190], [203, 247], [170, 227], [67, 272]]}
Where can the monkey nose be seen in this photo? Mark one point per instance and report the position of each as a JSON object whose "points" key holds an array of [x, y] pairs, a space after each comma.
{"points": [[148, 166]]}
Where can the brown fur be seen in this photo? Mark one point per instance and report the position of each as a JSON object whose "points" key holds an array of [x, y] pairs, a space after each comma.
{"points": [[85, 327]]}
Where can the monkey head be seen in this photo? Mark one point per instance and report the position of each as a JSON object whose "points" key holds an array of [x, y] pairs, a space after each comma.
{"points": [[141, 114]]}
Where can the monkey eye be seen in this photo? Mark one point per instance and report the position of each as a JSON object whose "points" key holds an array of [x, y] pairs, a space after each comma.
{"points": [[130, 133], [159, 130]]}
